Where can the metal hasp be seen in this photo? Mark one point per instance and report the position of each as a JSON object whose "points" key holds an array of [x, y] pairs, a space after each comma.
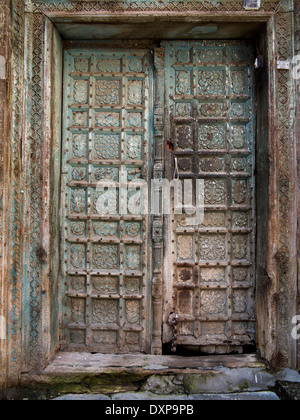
{"points": [[107, 97], [211, 283], [173, 322]]}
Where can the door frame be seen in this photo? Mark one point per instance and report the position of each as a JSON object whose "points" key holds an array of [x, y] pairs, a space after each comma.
{"points": [[33, 255]]}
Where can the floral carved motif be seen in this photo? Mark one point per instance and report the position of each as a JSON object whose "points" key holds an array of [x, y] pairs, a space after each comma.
{"points": [[135, 92], [212, 274], [105, 311], [240, 274], [211, 82], [81, 64], [80, 119], [107, 146], [107, 173], [239, 192], [212, 136], [78, 256], [238, 82], [133, 257], [211, 164], [238, 136], [78, 201], [78, 311], [81, 91], [105, 257], [212, 110], [79, 174], [106, 228], [184, 137], [240, 301], [214, 191], [183, 110], [213, 302], [79, 145], [105, 337], [134, 119], [105, 284], [185, 247], [109, 65], [183, 83], [107, 92], [212, 247], [133, 229], [239, 247], [78, 228], [78, 283], [133, 311], [132, 285], [212, 219], [111, 119], [134, 146]]}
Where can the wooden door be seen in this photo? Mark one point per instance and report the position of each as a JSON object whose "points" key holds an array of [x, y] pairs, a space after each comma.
{"points": [[107, 116], [209, 274]]}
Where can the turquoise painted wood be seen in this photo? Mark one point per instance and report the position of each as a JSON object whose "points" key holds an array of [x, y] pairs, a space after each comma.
{"points": [[107, 131]]}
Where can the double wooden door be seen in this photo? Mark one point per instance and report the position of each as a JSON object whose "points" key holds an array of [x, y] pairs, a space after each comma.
{"points": [[208, 279]]}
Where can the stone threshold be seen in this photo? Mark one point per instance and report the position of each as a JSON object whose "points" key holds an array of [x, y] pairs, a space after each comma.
{"points": [[78, 363], [108, 374]]}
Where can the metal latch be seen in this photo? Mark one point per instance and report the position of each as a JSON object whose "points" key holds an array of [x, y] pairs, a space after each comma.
{"points": [[173, 322]]}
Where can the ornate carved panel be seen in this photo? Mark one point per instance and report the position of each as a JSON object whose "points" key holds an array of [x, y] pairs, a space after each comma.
{"points": [[147, 6], [211, 114], [106, 132]]}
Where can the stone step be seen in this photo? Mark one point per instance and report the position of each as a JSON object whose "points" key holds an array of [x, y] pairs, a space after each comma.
{"points": [[147, 396], [84, 373]]}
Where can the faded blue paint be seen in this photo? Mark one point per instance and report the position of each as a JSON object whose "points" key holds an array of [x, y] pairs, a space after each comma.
{"points": [[108, 127]]}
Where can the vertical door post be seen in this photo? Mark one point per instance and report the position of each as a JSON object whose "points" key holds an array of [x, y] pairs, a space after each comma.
{"points": [[157, 221]]}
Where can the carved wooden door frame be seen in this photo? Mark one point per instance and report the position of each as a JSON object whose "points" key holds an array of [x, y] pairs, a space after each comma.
{"points": [[30, 228]]}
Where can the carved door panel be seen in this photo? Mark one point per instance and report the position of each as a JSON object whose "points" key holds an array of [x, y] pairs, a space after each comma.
{"points": [[107, 103], [211, 123]]}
